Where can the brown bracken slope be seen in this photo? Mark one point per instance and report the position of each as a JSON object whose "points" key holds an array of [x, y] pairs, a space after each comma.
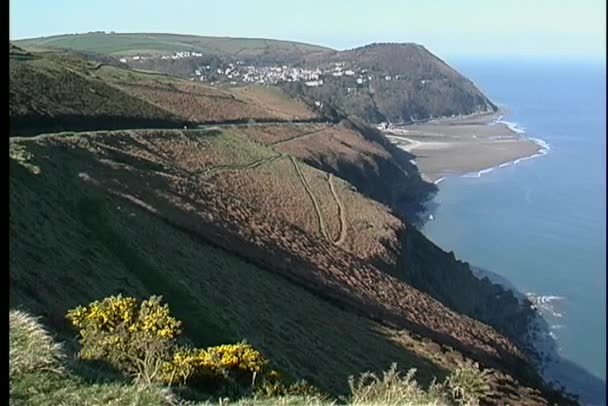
{"points": [[249, 200]]}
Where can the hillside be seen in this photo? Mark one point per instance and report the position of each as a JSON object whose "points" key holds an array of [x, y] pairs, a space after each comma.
{"points": [[55, 91], [186, 213], [233, 223], [267, 50], [398, 83]]}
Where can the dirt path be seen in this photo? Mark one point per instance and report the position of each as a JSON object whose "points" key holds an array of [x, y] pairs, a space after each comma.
{"points": [[299, 136], [341, 212], [222, 168], [322, 227]]}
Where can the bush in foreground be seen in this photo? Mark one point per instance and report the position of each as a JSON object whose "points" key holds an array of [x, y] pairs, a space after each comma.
{"points": [[141, 341], [40, 376], [31, 348], [393, 388]]}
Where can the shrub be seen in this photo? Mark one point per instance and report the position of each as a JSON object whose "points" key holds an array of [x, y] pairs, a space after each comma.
{"points": [[468, 383], [31, 348], [40, 374], [141, 341], [394, 389], [138, 341], [271, 386], [238, 362]]}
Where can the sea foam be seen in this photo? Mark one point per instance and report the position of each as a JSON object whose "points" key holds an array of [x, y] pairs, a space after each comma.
{"points": [[544, 149]]}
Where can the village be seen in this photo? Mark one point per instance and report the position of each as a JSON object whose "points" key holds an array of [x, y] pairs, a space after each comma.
{"points": [[240, 73]]}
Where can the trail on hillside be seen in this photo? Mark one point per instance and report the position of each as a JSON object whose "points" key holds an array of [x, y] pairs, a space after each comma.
{"points": [[341, 212], [299, 136], [222, 168], [322, 227]]}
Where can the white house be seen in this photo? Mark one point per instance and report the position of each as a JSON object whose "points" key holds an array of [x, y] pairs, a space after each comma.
{"points": [[349, 72], [123, 60], [312, 83], [359, 81]]}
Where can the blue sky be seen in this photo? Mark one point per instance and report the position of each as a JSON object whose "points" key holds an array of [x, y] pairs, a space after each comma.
{"points": [[450, 28]]}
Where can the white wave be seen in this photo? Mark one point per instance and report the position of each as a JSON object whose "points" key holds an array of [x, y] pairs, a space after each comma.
{"points": [[516, 128], [543, 144], [545, 147], [438, 181], [478, 174], [547, 299]]}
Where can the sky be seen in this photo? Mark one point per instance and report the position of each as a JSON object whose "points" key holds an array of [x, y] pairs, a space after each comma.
{"points": [[450, 28]]}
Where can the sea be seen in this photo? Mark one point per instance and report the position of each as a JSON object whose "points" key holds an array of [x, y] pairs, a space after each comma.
{"points": [[540, 223]]}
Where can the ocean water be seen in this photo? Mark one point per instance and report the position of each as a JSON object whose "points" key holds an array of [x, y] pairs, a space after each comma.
{"points": [[541, 223]]}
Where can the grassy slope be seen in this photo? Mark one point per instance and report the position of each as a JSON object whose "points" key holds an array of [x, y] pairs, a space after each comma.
{"points": [[142, 43], [201, 103], [426, 86], [73, 94], [72, 242], [383, 172], [41, 374], [58, 92], [94, 245]]}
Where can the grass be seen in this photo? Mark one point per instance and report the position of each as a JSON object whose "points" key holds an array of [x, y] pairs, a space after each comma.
{"points": [[31, 348], [394, 389], [86, 246], [68, 98], [73, 94], [130, 212], [40, 375], [165, 44]]}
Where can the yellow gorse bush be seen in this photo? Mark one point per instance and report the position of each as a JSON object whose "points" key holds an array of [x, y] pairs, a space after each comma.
{"points": [[240, 356], [117, 311], [136, 339], [141, 340], [213, 361]]}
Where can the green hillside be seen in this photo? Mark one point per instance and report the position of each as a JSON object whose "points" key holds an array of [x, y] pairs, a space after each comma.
{"points": [[58, 91], [157, 44]]}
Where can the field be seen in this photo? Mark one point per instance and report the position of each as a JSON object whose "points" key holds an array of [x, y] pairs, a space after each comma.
{"points": [[167, 44]]}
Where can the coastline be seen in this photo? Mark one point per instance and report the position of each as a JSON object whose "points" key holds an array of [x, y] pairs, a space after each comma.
{"points": [[468, 146], [540, 342]]}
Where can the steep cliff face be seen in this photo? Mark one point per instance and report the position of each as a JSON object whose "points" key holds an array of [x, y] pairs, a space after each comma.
{"points": [[438, 273]]}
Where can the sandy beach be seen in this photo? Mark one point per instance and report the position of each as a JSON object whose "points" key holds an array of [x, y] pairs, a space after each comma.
{"points": [[461, 145]]}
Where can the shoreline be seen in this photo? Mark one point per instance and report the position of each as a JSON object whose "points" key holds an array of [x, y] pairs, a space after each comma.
{"points": [[468, 146]]}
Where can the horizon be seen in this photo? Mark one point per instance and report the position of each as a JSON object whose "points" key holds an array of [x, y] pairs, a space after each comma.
{"points": [[570, 30]]}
